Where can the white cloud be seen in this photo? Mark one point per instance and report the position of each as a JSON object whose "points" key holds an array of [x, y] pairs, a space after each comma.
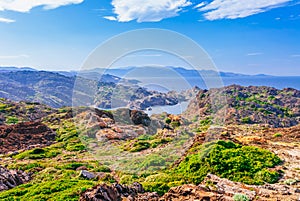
{"points": [[6, 20], [111, 18], [232, 9], [27, 5], [200, 5], [147, 11], [254, 53]]}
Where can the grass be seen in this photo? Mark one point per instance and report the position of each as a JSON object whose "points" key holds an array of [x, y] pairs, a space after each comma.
{"points": [[144, 142], [38, 153], [54, 169], [63, 189]]}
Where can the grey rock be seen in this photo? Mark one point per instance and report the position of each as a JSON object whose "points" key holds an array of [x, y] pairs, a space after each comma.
{"points": [[12, 178], [86, 174]]}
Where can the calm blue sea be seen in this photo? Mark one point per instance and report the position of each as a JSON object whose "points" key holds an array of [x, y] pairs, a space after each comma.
{"points": [[180, 83]]}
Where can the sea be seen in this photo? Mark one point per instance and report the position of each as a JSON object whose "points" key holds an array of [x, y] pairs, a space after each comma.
{"points": [[179, 83], [278, 82]]}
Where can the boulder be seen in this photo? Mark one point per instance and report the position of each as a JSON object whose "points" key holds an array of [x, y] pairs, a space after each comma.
{"points": [[87, 175], [12, 178], [139, 117]]}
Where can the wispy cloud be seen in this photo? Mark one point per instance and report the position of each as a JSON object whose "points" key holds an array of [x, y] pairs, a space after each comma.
{"points": [[200, 5], [111, 18], [254, 53], [232, 9], [6, 20], [27, 5], [147, 11], [14, 56], [295, 55]]}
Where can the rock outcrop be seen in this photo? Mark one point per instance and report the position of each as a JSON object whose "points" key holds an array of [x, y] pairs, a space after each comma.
{"points": [[22, 111], [12, 178], [25, 136], [118, 192], [139, 117], [216, 188], [247, 105]]}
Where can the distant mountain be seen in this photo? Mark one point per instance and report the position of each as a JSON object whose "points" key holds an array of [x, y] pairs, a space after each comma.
{"points": [[13, 69], [148, 70]]}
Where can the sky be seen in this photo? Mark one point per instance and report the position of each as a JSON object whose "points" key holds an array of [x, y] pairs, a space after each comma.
{"points": [[249, 36]]}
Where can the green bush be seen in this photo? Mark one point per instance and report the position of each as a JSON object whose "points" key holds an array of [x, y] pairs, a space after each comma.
{"points": [[75, 147], [246, 120], [139, 146], [144, 142], [277, 135], [240, 197], [168, 120], [127, 179], [206, 122], [38, 153], [72, 166], [226, 159], [12, 120], [175, 124], [145, 137], [102, 168], [3, 107]]}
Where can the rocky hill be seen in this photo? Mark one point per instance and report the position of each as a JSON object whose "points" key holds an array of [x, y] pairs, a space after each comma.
{"points": [[248, 105], [57, 90], [15, 112], [90, 154]]}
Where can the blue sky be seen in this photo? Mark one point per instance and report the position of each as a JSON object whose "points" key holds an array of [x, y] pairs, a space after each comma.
{"points": [[247, 36]]}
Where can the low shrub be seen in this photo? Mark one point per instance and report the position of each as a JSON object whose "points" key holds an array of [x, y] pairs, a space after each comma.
{"points": [[226, 159], [240, 197]]}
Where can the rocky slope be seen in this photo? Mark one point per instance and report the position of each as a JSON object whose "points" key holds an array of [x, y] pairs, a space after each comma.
{"points": [[56, 90], [248, 105], [24, 136], [12, 112]]}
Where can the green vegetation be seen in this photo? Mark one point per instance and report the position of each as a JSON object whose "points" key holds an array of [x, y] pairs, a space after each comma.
{"points": [[144, 142], [246, 120], [175, 124], [168, 120], [38, 153], [12, 120], [277, 135], [240, 197], [3, 107], [206, 122], [63, 189], [262, 103], [226, 159], [54, 169]]}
